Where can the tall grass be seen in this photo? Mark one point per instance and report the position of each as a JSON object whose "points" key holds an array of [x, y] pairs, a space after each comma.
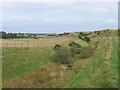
{"points": [[98, 72], [18, 61]]}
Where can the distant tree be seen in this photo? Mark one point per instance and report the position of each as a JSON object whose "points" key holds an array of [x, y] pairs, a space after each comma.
{"points": [[53, 34], [65, 33], [81, 33], [60, 35], [4, 35]]}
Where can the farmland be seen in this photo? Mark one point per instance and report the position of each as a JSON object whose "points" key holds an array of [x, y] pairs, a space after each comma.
{"points": [[32, 42], [30, 63]]}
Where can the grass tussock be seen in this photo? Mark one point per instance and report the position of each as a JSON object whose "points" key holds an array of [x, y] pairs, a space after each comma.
{"points": [[47, 77], [86, 52], [50, 76], [97, 69]]}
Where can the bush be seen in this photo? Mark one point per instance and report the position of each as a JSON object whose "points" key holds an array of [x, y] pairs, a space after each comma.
{"points": [[63, 55], [80, 37], [74, 45], [57, 47], [87, 39], [86, 52]]}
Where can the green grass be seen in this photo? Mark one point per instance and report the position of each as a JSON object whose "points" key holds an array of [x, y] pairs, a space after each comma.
{"points": [[18, 61], [98, 73]]}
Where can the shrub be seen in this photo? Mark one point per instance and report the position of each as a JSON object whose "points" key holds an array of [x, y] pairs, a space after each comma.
{"points": [[86, 52], [80, 37], [56, 47], [87, 39], [75, 45], [63, 55]]}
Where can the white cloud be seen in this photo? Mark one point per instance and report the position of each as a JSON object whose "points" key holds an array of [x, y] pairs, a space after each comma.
{"points": [[68, 16], [110, 21], [100, 10], [105, 20], [64, 20], [18, 18]]}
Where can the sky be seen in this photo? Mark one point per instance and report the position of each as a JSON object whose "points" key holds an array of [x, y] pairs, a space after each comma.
{"points": [[58, 17]]}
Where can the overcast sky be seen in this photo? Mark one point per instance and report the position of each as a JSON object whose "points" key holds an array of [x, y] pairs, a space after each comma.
{"points": [[49, 17]]}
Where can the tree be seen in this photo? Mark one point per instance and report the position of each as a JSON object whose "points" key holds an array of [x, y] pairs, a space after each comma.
{"points": [[4, 34], [53, 34]]}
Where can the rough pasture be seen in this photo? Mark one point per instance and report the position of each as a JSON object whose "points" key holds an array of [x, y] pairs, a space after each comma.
{"points": [[33, 43]]}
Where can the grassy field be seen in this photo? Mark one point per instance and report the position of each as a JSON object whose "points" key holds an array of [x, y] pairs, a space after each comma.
{"points": [[102, 70], [18, 61], [30, 66], [33, 43]]}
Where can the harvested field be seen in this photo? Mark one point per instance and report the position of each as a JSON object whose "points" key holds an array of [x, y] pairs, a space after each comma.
{"points": [[33, 43]]}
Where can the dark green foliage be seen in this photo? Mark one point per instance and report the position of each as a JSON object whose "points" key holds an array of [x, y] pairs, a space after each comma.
{"points": [[63, 34], [53, 34], [87, 39], [118, 32], [65, 55], [75, 45], [83, 36], [80, 37], [6, 35], [3, 35]]}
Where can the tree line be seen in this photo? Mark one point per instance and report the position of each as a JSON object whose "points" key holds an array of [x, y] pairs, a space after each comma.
{"points": [[5, 35]]}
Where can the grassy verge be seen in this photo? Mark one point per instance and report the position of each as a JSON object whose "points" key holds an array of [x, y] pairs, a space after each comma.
{"points": [[98, 72]]}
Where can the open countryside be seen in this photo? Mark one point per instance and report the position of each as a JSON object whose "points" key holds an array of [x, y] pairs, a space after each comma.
{"points": [[74, 60]]}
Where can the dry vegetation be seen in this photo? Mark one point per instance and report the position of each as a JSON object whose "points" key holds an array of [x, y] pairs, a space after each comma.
{"points": [[33, 43], [50, 76], [96, 67]]}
